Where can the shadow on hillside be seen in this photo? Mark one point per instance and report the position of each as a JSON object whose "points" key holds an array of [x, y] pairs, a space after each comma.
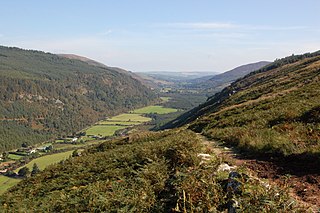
{"points": [[295, 164]]}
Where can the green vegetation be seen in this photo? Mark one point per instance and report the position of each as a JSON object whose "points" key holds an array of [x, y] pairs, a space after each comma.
{"points": [[272, 111], [184, 100], [15, 157], [119, 123], [104, 130], [47, 160], [165, 99], [7, 182], [154, 109], [43, 96], [129, 117], [156, 116], [146, 172], [70, 146]]}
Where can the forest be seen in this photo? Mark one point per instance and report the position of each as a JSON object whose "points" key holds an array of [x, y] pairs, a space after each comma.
{"points": [[43, 95]]}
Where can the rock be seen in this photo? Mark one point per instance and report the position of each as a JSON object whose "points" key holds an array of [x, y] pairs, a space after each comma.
{"points": [[225, 167]]}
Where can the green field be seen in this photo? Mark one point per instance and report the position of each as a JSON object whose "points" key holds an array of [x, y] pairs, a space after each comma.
{"points": [[7, 182], [121, 123], [104, 130], [110, 126], [60, 146], [128, 117], [47, 160], [15, 157], [154, 109]]}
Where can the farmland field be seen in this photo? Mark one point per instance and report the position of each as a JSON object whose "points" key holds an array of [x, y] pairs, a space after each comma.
{"points": [[104, 130], [47, 160], [15, 157], [154, 109], [119, 123], [60, 146], [109, 126], [7, 182], [128, 117]]}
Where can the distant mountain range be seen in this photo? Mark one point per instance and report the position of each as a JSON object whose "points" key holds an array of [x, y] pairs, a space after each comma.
{"points": [[213, 84], [205, 82], [158, 79]]}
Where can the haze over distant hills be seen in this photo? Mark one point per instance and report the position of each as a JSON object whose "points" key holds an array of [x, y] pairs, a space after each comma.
{"points": [[204, 82], [159, 79], [212, 84]]}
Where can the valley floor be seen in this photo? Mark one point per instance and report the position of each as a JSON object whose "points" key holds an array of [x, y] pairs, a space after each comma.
{"points": [[65, 147]]}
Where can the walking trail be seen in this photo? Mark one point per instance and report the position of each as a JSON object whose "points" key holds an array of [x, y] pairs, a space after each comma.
{"points": [[302, 176]]}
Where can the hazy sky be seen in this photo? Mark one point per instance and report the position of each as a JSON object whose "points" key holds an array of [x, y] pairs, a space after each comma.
{"points": [[172, 35]]}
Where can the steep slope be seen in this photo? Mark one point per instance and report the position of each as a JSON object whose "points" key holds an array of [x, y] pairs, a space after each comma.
{"points": [[272, 110], [44, 95], [213, 84], [98, 64]]}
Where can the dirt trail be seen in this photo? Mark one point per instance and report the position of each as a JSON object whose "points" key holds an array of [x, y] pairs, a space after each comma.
{"points": [[303, 177]]}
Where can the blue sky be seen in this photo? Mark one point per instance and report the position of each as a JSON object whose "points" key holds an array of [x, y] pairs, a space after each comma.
{"points": [[164, 35]]}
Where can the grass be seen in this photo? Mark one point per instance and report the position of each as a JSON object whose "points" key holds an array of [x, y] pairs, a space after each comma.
{"points": [[47, 160], [75, 146], [154, 109], [128, 117], [110, 126], [104, 130], [119, 123], [15, 157], [86, 138], [6, 183], [145, 172], [274, 113]]}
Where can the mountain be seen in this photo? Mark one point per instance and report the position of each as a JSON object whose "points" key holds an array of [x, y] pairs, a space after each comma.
{"points": [[273, 109], [170, 79], [43, 95], [213, 84], [98, 64], [82, 58], [273, 112]]}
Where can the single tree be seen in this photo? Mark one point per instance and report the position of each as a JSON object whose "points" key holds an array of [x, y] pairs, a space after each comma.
{"points": [[35, 169], [24, 145], [24, 172]]}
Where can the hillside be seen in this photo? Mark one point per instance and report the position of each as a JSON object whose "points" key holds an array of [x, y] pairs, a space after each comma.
{"points": [[213, 84], [98, 64], [44, 95], [274, 109], [145, 172], [272, 113]]}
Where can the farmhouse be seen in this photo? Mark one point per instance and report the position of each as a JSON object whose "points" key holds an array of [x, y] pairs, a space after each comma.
{"points": [[3, 171]]}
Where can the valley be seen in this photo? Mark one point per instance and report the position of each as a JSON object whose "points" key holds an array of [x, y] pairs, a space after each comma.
{"points": [[63, 148], [246, 147]]}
